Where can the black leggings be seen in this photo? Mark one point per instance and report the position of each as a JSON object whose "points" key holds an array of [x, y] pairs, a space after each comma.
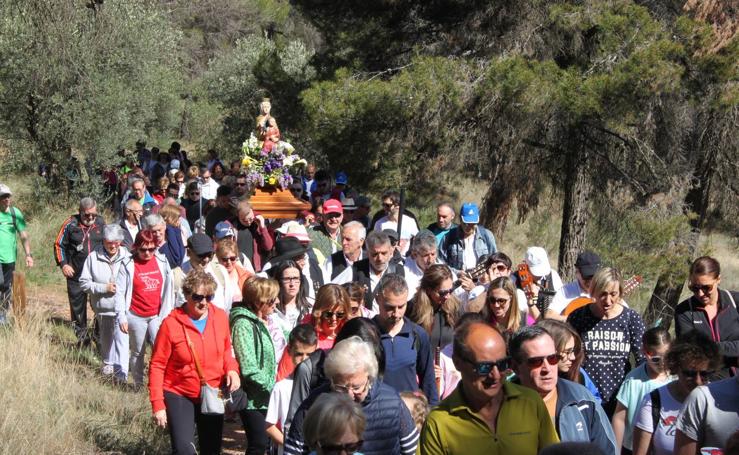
{"points": [[182, 416], [256, 431]]}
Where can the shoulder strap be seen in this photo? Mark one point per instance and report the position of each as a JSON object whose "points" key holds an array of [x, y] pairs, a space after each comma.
{"points": [[15, 221], [194, 356], [731, 297], [656, 406]]}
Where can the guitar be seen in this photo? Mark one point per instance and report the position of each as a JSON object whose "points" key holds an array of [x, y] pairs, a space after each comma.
{"points": [[629, 286], [526, 280], [475, 272]]}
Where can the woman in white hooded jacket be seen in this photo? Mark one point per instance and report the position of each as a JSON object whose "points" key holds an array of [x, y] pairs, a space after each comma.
{"points": [[144, 297], [98, 279]]}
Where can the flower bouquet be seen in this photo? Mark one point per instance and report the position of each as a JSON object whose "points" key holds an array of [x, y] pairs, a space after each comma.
{"points": [[269, 163]]}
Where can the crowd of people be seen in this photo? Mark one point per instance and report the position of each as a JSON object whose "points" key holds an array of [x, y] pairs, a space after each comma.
{"points": [[351, 331]]}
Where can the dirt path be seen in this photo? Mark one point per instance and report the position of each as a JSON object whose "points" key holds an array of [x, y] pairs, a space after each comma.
{"points": [[52, 300]]}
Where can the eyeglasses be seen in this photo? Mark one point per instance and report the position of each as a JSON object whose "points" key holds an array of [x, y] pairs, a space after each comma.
{"points": [[336, 449], [706, 288], [498, 301], [291, 279], [704, 374], [444, 292], [536, 362], [331, 314], [228, 259], [350, 388], [568, 352], [484, 368], [146, 250], [199, 297]]}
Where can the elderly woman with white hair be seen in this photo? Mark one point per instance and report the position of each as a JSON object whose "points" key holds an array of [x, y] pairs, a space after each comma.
{"points": [[98, 280], [352, 370], [167, 237], [334, 424]]}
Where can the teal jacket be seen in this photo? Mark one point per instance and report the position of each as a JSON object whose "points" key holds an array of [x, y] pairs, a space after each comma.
{"points": [[256, 355]]}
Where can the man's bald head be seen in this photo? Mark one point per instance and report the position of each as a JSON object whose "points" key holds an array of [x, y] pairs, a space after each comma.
{"points": [[475, 338]]}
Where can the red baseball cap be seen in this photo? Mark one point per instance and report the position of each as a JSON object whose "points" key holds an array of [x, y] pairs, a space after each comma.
{"points": [[332, 206]]}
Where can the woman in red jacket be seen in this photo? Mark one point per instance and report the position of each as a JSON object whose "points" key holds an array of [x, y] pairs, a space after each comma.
{"points": [[174, 381]]}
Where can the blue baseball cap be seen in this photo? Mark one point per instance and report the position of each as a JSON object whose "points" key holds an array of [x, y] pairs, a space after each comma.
{"points": [[470, 213], [341, 178]]}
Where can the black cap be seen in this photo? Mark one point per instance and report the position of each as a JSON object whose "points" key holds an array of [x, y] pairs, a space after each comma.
{"points": [[200, 244], [587, 263], [287, 248], [224, 190], [393, 234]]}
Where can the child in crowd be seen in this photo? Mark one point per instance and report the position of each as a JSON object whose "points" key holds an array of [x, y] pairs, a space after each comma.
{"points": [[639, 382], [302, 343], [418, 405]]}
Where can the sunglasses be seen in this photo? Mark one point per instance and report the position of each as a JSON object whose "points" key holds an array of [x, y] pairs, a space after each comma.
{"points": [[704, 374], [228, 259], [706, 288], [498, 301], [147, 250], [195, 193], [239, 184], [89, 216], [484, 368], [388, 206], [199, 297], [336, 449], [444, 292], [331, 314], [656, 360], [205, 256], [500, 268], [536, 362]]}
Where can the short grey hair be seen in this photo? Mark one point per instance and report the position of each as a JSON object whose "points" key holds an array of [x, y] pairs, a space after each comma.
{"points": [[349, 356], [113, 233], [359, 227], [447, 205], [132, 203], [86, 203], [135, 178], [151, 220], [424, 241], [377, 238], [329, 416], [392, 283]]}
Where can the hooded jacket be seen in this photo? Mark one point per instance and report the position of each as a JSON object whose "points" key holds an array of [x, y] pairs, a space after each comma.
{"points": [[255, 352], [124, 288], [172, 366], [581, 419], [99, 270]]}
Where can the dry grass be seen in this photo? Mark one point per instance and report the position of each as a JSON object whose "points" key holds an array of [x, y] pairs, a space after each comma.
{"points": [[55, 402]]}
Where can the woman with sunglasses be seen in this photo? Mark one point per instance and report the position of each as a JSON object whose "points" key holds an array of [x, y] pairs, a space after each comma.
{"points": [[711, 310], [228, 256], [501, 307], [356, 301], [611, 333], [434, 307], [196, 331], [334, 425], [329, 314], [255, 351], [640, 381], [692, 358], [571, 354], [144, 297]]}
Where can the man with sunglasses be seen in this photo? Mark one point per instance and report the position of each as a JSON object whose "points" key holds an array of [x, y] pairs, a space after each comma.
{"points": [[12, 223], [78, 237], [409, 359], [486, 414], [200, 252], [574, 410]]}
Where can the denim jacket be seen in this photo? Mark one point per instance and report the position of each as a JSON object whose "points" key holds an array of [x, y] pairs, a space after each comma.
{"points": [[581, 419], [451, 249]]}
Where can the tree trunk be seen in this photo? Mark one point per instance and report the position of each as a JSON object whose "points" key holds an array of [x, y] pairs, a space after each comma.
{"points": [[578, 188], [669, 286]]}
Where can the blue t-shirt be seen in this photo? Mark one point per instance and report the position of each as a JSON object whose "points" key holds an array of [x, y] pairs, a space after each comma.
{"points": [[200, 323]]}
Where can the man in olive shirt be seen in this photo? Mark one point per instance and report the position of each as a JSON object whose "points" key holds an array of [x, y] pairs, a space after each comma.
{"points": [[486, 414]]}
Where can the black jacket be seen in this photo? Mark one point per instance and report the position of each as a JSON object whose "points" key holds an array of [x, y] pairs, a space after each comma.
{"points": [[76, 241], [724, 330]]}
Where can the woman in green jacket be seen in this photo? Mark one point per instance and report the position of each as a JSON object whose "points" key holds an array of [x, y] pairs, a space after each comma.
{"points": [[255, 352]]}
